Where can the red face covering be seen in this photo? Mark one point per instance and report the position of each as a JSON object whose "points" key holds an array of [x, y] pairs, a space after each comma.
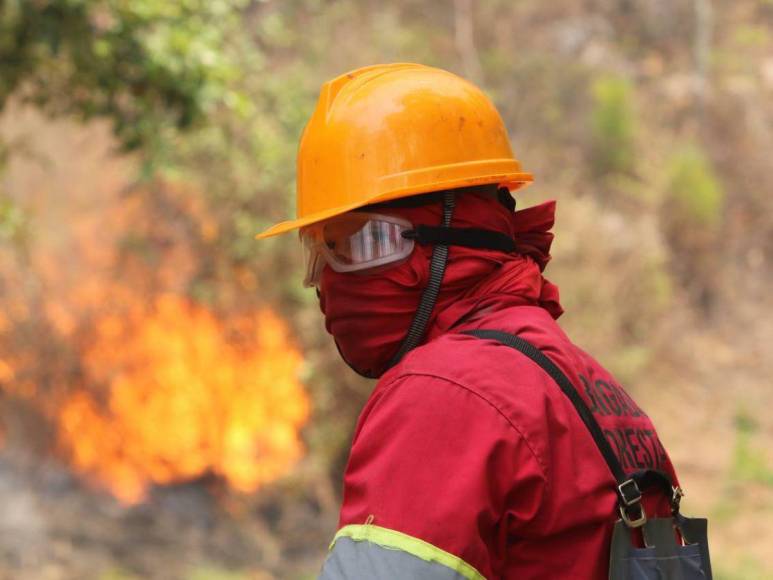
{"points": [[369, 314]]}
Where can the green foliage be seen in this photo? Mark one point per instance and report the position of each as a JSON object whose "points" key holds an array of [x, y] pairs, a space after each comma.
{"points": [[244, 160], [13, 222], [748, 470], [749, 463], [148, 66], [748, 467], [747, 569], [752, 35], [694, 188], [613, 126]]}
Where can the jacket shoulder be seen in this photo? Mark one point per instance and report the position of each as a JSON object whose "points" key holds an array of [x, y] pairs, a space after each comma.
{"points": [[502, 376]]}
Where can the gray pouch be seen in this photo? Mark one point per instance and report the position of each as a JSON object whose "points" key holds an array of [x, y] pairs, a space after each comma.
{"points": [[664, 557]]}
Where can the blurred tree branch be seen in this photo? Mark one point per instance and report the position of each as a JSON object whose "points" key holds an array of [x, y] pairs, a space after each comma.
{"points": [[704, 24], [145, 65], [464, 35]]}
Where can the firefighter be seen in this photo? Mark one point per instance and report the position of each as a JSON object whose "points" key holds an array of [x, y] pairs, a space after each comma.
{"points": [[468, 461]]}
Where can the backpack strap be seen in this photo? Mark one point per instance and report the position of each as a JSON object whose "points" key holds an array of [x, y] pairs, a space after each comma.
{"points": [[628, 491]]}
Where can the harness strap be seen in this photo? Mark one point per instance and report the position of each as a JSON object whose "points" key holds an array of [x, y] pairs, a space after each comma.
{"points": [[628, 490]]}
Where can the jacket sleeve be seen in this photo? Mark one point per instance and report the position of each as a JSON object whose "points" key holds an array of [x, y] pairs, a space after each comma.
{"points": [[435, 475]]}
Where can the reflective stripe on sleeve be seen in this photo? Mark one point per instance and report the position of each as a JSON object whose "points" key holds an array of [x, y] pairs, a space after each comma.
{"points": [[373, 552]]}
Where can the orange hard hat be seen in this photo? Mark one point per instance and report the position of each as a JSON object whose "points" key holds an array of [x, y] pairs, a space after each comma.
{"points": [[389, 131]]}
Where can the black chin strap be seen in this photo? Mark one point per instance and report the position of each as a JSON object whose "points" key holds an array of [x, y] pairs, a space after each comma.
{"points": [[437, 269]]}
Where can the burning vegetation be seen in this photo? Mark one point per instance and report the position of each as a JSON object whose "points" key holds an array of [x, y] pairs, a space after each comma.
{"points": [[129, 380], [186, 396]]}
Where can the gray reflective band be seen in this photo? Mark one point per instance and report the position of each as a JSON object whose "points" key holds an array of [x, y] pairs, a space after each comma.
{"points": [[368, 551], [357, 560]]}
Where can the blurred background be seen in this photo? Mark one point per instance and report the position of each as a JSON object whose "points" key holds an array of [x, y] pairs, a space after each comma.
{"points": [[170, 405]]}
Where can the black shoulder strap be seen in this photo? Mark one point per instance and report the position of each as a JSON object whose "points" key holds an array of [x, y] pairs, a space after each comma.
{"points": [[628, 491]]}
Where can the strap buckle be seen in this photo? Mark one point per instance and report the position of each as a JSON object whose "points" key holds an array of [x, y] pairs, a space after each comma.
{"points": [[676, 498], [633, 521], [631, 509], [629, 493]]}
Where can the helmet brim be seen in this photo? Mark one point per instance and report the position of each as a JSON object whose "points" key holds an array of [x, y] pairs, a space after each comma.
{"points": [[512, 181]]}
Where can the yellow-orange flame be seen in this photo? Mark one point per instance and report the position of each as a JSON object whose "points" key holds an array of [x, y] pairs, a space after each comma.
{"points": [[187, 395]]}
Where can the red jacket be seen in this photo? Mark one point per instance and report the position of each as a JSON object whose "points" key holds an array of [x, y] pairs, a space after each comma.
{"points": [[468, 459]]}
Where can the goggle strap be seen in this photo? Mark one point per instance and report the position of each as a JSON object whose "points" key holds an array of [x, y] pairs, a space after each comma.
{"points": [[466, 237]]}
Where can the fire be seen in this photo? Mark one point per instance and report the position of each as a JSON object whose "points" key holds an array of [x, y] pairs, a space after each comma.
{"points": [[117, 371], [187, 395]]}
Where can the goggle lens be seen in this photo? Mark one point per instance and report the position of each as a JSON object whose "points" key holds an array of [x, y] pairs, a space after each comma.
{"points": [[355, 241]]}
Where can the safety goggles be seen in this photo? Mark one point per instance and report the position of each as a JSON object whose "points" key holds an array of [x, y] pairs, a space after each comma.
{"points": [[354, 242]]}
